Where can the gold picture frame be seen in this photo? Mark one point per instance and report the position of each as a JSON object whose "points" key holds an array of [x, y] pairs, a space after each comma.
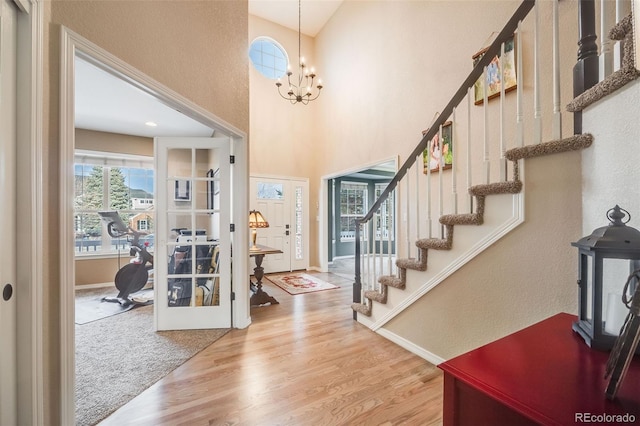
{"points": [[431, 156], [492, 78]]}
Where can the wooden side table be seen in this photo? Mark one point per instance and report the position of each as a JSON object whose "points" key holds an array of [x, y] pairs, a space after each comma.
{"points": [[260, 297], [543, 374]]}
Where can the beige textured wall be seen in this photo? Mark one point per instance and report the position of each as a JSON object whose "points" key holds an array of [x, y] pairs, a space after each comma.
{"points": [[196, 48], [99, 271], [527, 276], [112, 142], [388, 67]]}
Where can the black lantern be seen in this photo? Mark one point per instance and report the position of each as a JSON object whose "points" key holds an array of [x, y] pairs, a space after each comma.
{"points": [[607, 257]]}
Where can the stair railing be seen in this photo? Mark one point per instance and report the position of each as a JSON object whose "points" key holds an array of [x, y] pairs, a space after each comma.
{"points": [[375, 239]]}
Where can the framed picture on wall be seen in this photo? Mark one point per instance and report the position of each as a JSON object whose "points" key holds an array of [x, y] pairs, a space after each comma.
{"points": [[436, 154], [492, 81], [182, 190]]}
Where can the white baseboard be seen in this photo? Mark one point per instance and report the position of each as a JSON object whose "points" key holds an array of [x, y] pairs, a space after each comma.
{"points": [[411, 347], [97, 285]]}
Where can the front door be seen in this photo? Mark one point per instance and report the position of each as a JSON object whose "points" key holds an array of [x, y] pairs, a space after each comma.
{"points": [[283, 203], [8, 378], [193, 253]]}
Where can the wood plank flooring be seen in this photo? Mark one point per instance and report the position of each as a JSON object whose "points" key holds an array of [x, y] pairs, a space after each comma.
{"points": [[304, 361]]}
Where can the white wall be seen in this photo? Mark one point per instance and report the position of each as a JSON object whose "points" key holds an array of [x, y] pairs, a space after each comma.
{"points": [[611, 168]]}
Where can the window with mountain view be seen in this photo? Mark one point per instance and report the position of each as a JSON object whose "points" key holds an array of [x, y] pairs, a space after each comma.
{"points": [[102, 184]]}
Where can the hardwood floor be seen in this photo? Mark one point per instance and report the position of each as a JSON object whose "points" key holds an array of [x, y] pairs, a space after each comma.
{"points": [[304, 361]]}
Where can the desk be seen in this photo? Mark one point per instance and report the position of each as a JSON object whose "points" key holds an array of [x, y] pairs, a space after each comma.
{"points": [[543, 374], [260, 296]]}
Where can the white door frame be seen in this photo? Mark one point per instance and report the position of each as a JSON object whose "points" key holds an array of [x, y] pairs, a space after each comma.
{"points": [[73, 44], [30, 202], [323, 230]]}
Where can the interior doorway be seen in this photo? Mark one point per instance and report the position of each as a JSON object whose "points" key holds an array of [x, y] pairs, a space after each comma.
{"points": [[346, 196], [76, 48]]}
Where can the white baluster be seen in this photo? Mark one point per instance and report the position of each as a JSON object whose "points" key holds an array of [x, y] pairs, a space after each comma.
{"points": [[557, 114], [365, 236], [390, 204], [375, 249], [469, 97], [440, 175], [429, 190], [503, 162], [485, 138], [408, 206], [623, 8], [519, 110], [537, 109], [418, 172], [454, 189], [606, 49]]}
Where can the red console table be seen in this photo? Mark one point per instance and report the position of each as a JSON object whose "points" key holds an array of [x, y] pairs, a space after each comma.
{"points": [[544, 374]]}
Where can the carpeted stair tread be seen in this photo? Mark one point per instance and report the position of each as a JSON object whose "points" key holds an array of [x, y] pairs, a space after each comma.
{"points": [[607, 86], [380, 297], [434, 243], [412, 263], [623, 30], [462, 219], [361, 308], [509, 187], [572, 143], [392, 281]]}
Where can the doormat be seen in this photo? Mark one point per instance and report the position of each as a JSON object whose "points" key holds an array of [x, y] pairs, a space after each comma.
{"points": [[300, 283]]}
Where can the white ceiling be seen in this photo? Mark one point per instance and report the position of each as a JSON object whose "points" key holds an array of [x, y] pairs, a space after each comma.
{"points": [[314, 13], [106, 103]]}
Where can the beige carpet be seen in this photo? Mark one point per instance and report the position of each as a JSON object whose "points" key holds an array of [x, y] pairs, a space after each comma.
{"points": [[120, 356], [299, 283]]}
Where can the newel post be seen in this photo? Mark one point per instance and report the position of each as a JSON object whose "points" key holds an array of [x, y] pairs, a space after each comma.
{"points": [[357, 284], [585, 72]]}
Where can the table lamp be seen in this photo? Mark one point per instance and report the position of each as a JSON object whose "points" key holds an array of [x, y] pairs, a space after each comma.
{"points": [[256, 220]]}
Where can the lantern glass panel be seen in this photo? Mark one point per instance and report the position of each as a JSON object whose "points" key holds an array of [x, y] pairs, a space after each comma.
{"points": [[614, 276], [588, 311]]}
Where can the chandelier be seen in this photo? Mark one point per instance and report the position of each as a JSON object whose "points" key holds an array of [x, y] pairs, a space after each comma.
{"points": [[303, 91]]}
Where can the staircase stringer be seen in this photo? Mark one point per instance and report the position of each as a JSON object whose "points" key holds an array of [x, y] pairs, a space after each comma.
{"points": [[513, 221]]}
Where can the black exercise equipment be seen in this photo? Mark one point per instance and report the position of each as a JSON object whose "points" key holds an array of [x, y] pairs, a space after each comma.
{"points": [[133, 276]]}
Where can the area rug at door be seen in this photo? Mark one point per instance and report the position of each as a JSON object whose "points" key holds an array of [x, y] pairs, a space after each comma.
{"points": [[300, 283]]}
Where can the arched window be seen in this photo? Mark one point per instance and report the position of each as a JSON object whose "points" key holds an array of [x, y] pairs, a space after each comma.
{"points": [[268, 57]]}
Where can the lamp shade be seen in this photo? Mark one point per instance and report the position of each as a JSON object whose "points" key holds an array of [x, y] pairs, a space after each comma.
{"points": [[256, 220]]}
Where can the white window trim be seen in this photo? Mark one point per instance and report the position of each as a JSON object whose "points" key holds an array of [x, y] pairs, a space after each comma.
{"points": [[110, 159]]}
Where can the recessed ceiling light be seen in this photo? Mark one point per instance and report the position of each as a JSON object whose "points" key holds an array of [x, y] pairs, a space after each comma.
{"points": [[151, 124]]}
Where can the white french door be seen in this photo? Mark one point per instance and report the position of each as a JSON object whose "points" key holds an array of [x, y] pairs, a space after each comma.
{"points": [[8, 360], [192, 263], [284, 204]]}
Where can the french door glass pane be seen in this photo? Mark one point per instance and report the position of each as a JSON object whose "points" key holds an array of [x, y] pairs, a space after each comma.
{"points": [[193, 220]]}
